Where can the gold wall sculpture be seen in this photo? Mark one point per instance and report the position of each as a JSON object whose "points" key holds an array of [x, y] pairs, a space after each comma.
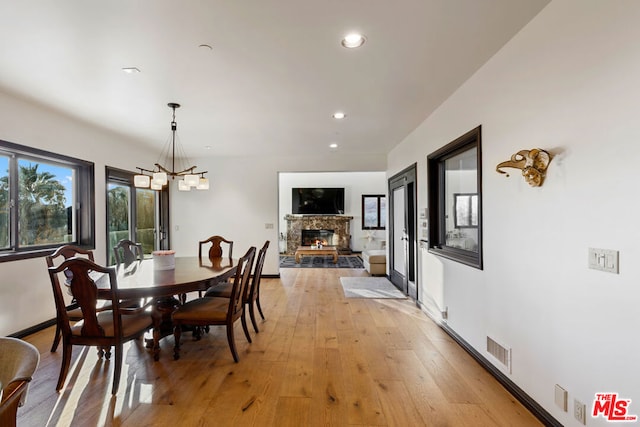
{"points": [[533, 164]]}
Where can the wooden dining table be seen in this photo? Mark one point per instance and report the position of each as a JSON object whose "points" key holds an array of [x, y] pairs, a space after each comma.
{"points": [[141, 280]]}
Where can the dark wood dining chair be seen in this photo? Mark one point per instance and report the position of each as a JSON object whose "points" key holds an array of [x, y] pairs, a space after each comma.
{"points": [[103, 329], [18, 362], [252, 297], [216, 249], [128, 251], [208, 311], [66, 252], [215, 253]]}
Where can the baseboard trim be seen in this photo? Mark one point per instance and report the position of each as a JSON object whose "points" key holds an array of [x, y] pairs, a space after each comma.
{"points": [[538, 411], [33, 329], [271, 276]]}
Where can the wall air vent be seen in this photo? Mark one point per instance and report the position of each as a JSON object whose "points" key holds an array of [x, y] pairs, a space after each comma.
{"points": [[501, 353]]}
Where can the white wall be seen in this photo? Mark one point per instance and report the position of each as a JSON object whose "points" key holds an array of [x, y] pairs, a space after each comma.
{"points": [[568, 83], [26, 298], [355, 184]]}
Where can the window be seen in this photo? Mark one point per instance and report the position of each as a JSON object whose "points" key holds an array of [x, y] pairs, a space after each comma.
{"points": [[455, 200], [46, 200], [465, 208], [374, 212]]}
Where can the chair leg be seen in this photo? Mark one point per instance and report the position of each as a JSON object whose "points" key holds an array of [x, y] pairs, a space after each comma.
{"points": [[243, 319], [56, 339], [232, 342], [259, 308], [107, 352], [117, 369], [66, 361], [252, 313], [177, 330], [156, 315], [197, 333]]}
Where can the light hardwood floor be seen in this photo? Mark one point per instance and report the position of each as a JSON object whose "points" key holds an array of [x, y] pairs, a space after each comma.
{"points": [[319, 359]]}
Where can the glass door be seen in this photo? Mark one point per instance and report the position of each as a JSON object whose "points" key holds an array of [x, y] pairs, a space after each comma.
{"points": [[119, 213], [137, 214], [402, 231], [146, 215]]}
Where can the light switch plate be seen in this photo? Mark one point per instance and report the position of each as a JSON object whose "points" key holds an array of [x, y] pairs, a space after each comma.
{"points": [[604, 260], [561, 398]]}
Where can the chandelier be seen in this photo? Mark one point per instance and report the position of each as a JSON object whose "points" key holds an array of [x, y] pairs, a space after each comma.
{"points": [[159, 177]]}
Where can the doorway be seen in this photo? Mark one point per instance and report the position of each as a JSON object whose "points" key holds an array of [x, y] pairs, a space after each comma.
{"points": [[402, 231]]}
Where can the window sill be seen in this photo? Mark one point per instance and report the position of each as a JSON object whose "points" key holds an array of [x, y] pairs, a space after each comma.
{"points": [[471, 259], [28, 254]]}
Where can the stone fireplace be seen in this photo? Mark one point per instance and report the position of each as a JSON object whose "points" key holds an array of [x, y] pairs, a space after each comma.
{"points": [[334, 228]]}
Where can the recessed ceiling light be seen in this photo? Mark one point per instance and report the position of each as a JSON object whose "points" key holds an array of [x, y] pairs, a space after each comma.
{"points": [[207, 147], [130, 70], [353, 40], [333, 145], [339, 115]]}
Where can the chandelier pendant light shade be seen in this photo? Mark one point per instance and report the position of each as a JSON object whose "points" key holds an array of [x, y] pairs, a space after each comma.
{"points": [[157, 178], [142, 181]]}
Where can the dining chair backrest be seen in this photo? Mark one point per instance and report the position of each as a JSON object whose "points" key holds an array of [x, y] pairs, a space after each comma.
{"points": [[78, 273], [65, 252], [127, 251], [241, 282], [18, 362], [216, 251], [254, 289], [68, 251]]}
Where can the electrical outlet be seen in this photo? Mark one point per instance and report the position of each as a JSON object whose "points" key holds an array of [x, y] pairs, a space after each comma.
{"points": [[580, 411]]}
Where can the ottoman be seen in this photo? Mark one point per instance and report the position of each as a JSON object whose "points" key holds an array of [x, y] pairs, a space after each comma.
{"points": [[375, 261]]}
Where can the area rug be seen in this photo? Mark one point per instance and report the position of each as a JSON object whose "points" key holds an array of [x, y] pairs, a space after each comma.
{"points": [[321, 262], [370, 287]]}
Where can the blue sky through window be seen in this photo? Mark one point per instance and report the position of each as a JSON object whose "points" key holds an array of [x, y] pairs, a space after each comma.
{"points": [[4, 166], [64, 175]]}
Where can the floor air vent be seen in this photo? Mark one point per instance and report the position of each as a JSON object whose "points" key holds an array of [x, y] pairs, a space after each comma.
{"points": [[501, 353]]}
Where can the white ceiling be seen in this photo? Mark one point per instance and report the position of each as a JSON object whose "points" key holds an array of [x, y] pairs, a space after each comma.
{"points": [[275, 74]]}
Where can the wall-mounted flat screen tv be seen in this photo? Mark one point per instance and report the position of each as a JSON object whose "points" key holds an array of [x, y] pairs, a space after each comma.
{"points": [[317, 201]]}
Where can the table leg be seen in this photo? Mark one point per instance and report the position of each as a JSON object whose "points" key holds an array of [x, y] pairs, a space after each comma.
{"points": [[335, 257], [297, 258], [162, 325]]}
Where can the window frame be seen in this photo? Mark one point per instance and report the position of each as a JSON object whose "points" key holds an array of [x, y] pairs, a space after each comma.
{"points": [[378, 198], [436, 175], [83, 188]]}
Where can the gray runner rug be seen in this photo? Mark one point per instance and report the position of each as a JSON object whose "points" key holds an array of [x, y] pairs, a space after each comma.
{"points": [[370, 287]]}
